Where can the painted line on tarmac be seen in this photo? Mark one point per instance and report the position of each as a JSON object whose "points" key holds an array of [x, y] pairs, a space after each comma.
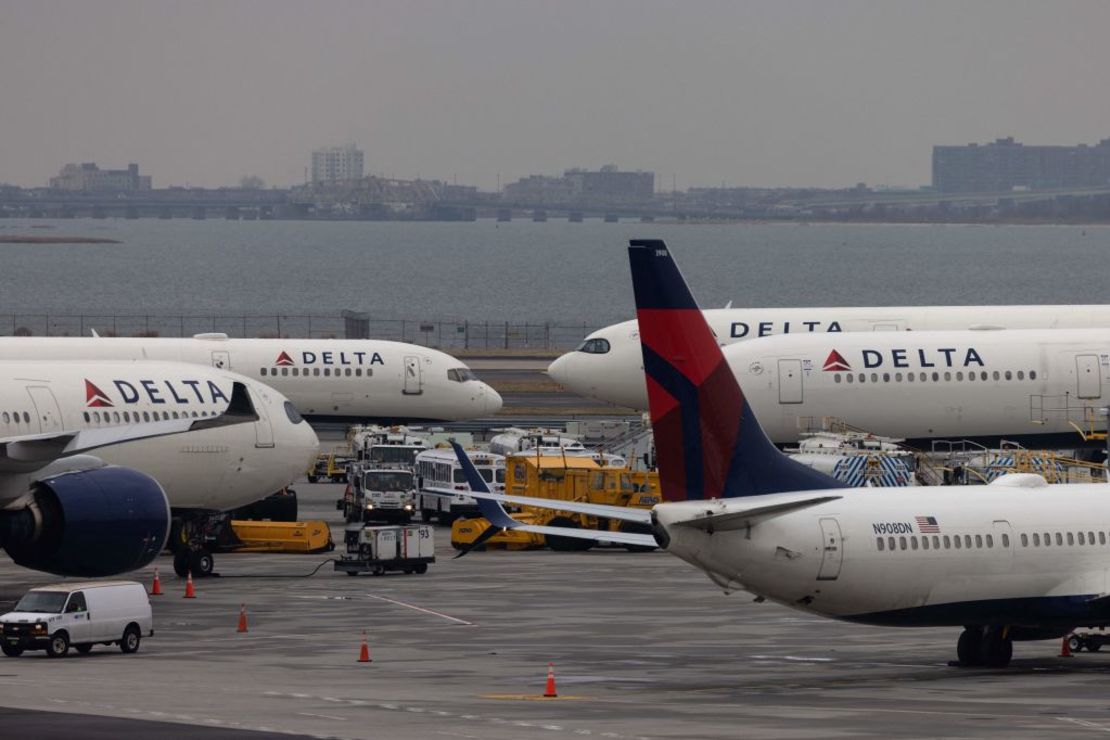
{"points": [[323, 716], [422, 609], [1085, 723]]}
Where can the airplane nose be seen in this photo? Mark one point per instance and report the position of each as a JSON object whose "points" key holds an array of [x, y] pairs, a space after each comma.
{"points": [[493, 400], [558, 370]]}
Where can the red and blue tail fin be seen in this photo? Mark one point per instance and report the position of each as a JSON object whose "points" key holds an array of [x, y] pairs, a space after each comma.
{"points": [[708, 442]]}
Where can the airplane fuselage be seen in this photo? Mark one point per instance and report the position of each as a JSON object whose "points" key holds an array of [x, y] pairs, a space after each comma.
{"points": [[1031, 557], [328, 380]]}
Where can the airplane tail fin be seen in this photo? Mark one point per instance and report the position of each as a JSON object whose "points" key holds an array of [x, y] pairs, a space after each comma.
{"points": [[708, 442]]}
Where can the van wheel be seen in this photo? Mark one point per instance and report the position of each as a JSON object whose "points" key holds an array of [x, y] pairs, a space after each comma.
{"points": [[131, 639], [83, 648], [58, 645], [421, 568], [12, 651]]}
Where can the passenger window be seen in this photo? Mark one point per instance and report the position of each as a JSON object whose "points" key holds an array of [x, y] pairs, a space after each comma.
{"points": [[924, 542], [913, 542], [1071, 539], [901, 543], [1090, 538], [909, 377], [995, 375], [886, 377], [849, 377], [898, 377], [358, 372], [76, 603], [947, 375], [1102, 538], [1032, 374], [316, 371], [1009, 375], [990, 541], [296, 371], [879, 543], [836, 377], [967, 541], [327, 372], [1036, 540], [956, 542], [979, 541], [983, 375], [959, 375], [347, 372], [262, 372], [86, 417], [946, 542], [1005, 540], [146, 416], [890, 543], [924, 377], [1059, 540], [1024, 540], [936, 542], [26, 417], [1021, 375], [1082, 539], [285, 371], [936, 376]]}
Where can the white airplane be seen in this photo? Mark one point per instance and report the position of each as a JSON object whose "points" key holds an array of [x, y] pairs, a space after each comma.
{"points": [[1033, 386], [608, 366], [97, 456], [328, 379], [1018, 560]]}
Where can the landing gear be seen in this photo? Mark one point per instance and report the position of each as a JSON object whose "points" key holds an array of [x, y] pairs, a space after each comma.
{"points": [[190, 541], [987, 647]]}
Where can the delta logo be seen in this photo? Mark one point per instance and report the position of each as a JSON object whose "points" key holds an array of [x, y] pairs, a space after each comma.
{"points": [[331, 357], [835, 363], [284, 359], [96, 398]]}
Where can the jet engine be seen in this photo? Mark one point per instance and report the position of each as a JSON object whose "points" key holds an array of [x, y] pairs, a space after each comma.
{"points": [[89, 523]]}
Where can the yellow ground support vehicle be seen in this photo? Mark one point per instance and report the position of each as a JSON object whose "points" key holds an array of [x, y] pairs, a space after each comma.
{"points": [[331, 465], [306, 537], [571, 478]]}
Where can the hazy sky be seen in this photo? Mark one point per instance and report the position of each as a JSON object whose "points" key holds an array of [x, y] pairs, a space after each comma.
{"points": [[782, 92]]}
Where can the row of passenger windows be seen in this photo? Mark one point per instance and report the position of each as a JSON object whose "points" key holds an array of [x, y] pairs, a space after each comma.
{"points": [[126, 417], [315, 371], [15, 416], [936, 377], [979, 541]]}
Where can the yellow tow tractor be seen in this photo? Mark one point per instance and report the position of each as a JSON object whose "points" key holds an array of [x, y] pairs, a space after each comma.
{"points": [[570, 478]]}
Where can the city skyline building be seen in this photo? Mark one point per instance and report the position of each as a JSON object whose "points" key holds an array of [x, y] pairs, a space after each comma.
{"points": [[336, 164], [87, 177], [1005, 164]]}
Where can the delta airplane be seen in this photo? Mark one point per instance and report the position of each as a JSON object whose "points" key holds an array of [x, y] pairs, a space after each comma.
{"points": [[1019, 560], [607, 365], [329, 380], [99, 458]]}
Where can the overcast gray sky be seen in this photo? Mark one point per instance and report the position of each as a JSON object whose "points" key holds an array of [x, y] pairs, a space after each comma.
{"points": [[782, 92]]}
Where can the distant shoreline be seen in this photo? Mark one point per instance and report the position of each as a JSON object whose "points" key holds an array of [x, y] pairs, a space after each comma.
{"points": [[5, 239]]}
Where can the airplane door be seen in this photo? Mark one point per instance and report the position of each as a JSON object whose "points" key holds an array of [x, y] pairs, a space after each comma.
{"points": [[1004, 542], [413, 379], [46, 408], [1088, 381], [831, 550], [263, 429], [790, 381], [221, 360]]}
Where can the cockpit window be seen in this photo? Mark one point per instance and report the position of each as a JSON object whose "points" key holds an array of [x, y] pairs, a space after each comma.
{"points": [[594, 346], [461, 374], [292, 413]]}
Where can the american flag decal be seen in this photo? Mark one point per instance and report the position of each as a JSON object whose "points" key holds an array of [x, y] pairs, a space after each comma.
{"points": [[927, 524]]}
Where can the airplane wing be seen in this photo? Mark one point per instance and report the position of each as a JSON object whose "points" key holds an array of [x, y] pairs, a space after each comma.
{"points": [[26, 453], [490, 505]]}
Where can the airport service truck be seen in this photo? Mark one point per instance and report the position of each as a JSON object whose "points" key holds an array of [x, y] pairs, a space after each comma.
{"points": [[409, 549], [380, 495]]}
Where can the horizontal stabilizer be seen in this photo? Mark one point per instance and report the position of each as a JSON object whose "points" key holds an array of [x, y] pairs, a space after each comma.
{"points": [[727, 520]]}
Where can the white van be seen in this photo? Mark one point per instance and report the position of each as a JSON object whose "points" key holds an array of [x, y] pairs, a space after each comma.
{"points": [[52, 618]]}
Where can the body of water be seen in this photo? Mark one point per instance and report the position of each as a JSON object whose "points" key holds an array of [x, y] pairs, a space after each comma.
{"points": [[523, 271]]}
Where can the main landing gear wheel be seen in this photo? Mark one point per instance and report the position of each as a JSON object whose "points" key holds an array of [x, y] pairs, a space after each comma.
{"points": [[986, 647], [202, 562]]}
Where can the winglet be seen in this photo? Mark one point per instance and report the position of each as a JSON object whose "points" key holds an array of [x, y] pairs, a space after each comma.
{"points": [[708, 441], [493, 511]]}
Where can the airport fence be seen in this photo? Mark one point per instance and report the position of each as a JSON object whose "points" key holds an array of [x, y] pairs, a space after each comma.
{"points": [[439, 333]]}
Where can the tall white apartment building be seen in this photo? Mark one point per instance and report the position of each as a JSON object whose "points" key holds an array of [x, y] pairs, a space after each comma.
{"points": [[336, 163]]}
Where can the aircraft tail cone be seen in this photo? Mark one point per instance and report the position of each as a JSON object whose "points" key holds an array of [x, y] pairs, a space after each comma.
{"points": [[364, 650], [242, 618], [1065, 648], [190, 591], [156, 587], [549, 691]]}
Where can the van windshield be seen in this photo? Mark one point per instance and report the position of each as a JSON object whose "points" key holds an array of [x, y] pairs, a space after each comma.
{"points": [[42, 601]]}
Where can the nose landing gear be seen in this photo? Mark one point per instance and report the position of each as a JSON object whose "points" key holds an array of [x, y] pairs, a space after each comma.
{"points": [[985, 647]]}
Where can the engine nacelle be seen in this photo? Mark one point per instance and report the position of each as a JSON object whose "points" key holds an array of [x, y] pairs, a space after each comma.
{"points": [[89, 523]]}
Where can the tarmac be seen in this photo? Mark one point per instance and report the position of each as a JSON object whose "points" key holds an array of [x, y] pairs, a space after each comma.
{"points": [[643, 646]]}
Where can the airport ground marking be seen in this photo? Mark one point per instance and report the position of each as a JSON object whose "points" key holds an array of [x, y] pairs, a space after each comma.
{"points": [[422, 609]]}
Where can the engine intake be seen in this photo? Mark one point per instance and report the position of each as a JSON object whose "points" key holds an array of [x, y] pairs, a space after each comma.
{"points": [[89, 523]]}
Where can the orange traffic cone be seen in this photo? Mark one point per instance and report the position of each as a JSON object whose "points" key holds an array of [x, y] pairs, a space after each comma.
{"points": [[242, 618], [156, 588], [364, 651], [1065, 649], [190, 592], [549, 690]]}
